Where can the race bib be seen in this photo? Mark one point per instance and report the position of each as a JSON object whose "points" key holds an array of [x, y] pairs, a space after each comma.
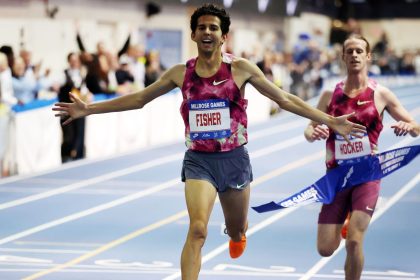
{"points": [[356, 148], [209, 119]]}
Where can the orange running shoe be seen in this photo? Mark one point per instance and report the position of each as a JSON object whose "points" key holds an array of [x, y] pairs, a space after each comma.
{"points": [[345, 226], [237, 248]]}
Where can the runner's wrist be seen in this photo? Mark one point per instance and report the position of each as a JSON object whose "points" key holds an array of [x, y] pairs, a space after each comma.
{"points": [[330, 121], [89, 109]]}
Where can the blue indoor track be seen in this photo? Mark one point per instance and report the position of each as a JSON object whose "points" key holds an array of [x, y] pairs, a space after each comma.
{"points": [[125, 217]]}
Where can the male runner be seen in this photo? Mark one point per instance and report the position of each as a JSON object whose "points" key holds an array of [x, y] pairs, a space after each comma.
{"points": [[369, 100], [213, 108]]}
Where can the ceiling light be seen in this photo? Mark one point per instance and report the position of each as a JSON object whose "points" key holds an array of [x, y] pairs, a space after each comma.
{"points": [[227, 3], [262, 5]]}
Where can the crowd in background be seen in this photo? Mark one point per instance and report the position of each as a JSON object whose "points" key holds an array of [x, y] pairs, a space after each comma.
{"points": [[99, 72], [301, 72], [88, 73]]}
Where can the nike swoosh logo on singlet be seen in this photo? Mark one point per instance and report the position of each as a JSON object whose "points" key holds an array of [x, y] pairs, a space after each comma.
{"points": [[215, 83], [363, 102]]}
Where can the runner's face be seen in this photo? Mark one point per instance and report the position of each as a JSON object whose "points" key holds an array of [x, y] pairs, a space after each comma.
{"points": [[208, 34], [355, 56]]}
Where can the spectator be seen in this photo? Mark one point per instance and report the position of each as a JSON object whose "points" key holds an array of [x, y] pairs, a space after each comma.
{"points": [[73, 146], [381, 46], [301, 49], [33, 72], [266, 63], [154, 69], [407, 64], [97, 80], [6, 85], [100, 48], [123, 73], [8, 51], [25, 89], [136, 64], [281, 75], [6, 101]]}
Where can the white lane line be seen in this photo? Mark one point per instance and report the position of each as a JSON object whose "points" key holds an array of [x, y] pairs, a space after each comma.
{"points": [[91, 211], [172, 218], [70, 165], [227, 274], [129, 198], [267, 221], [278, 128], [279, 146], [218, 250], [44, 251], [289, 125], [140, 194], [108, 246], [136, 168], [62, 167], [57, 244], [91, 181]]}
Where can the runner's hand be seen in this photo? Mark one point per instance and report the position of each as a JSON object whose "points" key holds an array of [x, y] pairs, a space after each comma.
{"points": [[318, 132], [401, 128], [71, 111], [344, 127]]}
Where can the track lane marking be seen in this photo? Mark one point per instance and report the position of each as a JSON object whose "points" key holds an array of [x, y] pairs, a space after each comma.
{"points": [[182, 214]]}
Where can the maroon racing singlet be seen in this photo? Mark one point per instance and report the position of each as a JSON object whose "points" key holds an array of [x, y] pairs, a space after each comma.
{"points": [[366, 114], [213, 110]]}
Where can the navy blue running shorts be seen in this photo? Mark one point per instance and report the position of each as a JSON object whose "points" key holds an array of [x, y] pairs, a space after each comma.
{"points": [[223, 170]]}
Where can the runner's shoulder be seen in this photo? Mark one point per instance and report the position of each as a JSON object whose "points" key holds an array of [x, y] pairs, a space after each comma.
{"points": [[176, 73], [241, 63], [177, 69], [384, 93], [325, 97]]}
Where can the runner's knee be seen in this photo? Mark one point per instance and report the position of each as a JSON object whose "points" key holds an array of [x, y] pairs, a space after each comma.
{"points": [[353, 246], [236, 232], [327, 250], [198, 231]]}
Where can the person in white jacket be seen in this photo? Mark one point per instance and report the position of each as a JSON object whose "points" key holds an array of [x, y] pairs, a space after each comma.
{"points": [[7, 100]]}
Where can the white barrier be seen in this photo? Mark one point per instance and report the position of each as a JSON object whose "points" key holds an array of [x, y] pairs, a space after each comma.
{"points": [[4, 126], [37, 145], [157, 123], [38, 134]]}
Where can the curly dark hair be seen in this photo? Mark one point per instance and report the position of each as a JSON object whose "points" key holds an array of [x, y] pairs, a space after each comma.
{"points": [[211, 9]]}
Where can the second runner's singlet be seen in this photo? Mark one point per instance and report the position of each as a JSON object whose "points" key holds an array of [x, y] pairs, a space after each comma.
{"points": [[213, 110], [366, 114]]}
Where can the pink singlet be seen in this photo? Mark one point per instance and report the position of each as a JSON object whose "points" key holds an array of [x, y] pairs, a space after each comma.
{"points": [[362, 197], [365, 114], [213, 110]]}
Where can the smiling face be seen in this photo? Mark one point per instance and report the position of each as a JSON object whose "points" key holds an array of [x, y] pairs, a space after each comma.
{"points": [[208, 34], [356, 55]]}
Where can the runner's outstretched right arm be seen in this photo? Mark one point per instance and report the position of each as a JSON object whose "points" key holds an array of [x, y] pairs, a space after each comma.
{"points": [[77, 108]]}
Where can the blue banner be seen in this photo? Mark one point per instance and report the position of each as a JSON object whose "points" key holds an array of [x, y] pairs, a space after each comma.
{"points": [[350, 173]]}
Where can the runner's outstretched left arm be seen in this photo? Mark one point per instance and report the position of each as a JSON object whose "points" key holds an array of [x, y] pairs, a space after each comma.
{"points": [[341, 125]]}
